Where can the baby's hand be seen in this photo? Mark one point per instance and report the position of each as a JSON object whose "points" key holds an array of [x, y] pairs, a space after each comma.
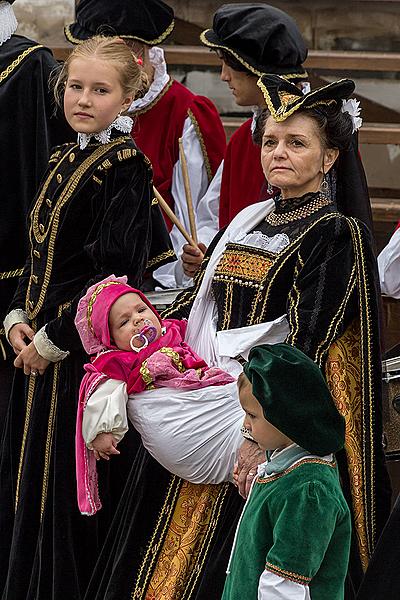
{"points": [[104, 445]]}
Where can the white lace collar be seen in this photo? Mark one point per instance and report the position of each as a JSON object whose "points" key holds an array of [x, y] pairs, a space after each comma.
{"points": [[123, 124], [8, 22], [160, 80]]}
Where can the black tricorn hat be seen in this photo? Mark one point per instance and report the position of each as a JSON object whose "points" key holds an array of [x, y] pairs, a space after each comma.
{"points": [[148, 21], [262, 38], [283, 98], [295, 397]]}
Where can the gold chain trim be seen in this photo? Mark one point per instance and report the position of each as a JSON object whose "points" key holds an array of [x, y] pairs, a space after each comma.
{"points": [[296, 577], [301, 212], [54, 220], [11, 274], [202, 144], [15, 63]]}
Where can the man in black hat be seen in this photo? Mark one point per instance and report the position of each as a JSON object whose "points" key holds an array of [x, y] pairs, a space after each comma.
{"points": [[27, 132], [167, 112], [251, 39]]}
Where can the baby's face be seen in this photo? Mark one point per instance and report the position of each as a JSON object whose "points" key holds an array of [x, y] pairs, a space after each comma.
{"points": [[127, 318]]}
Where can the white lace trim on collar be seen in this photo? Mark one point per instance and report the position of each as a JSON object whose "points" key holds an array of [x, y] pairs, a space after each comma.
{"points": [[160, 80], [123, 124], [8, 22]]}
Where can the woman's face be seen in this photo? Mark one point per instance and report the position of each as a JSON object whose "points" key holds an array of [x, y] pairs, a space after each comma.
{"points": [[293, 157]]}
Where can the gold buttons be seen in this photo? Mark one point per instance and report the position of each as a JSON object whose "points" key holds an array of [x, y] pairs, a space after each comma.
{"points": [[71, 157], [36, 253], [49, 202], [59, 177], [35, 278], [41, 227]]}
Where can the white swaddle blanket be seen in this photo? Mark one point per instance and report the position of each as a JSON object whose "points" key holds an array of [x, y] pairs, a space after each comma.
{"points": [[195, 434]]}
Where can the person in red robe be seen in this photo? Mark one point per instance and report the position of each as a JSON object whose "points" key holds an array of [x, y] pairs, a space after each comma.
{"points": [[251, 39], [168, 111]]}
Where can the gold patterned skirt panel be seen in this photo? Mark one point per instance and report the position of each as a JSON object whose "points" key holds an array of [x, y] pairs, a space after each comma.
{"points": [[185, 546], [343, 373]]}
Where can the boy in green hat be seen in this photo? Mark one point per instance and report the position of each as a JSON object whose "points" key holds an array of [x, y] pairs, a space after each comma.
{"points": [[293, 538]]}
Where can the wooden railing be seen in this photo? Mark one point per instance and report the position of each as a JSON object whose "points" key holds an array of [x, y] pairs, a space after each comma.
{"points": [[317, 59]]}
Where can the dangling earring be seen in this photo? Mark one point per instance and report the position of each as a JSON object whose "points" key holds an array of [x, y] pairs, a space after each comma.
{"points": [[270, 189], [325, 188]]}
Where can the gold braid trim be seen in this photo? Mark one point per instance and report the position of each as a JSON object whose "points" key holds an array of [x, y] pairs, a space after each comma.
{"points": [[202, 144], [159, 258], [206, 42], [64, 197], [282, 114], [304, 461], [29, 400], [93, 298], [137, 113], [158, 40], [11, 274], [3, 350], [15, 63], [149, 559], [296, 577]]}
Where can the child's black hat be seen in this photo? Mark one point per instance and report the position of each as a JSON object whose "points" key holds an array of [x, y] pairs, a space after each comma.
{"points": [[148, 21], [262, 38]]}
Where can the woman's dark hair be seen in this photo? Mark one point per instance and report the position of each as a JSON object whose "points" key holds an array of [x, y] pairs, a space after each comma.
{"points": [[232, 62], [335, 126]]}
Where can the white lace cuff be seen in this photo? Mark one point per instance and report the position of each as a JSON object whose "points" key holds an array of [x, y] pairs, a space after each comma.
{"points": [[15, 316], [46, 348]]}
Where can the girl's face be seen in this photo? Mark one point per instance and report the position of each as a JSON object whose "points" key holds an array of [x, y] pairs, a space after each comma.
{"points": [[126, 319], [93, 95], [293, 157]]}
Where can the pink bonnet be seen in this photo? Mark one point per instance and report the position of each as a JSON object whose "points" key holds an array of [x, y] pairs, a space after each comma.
{"points": [[93, 309]]}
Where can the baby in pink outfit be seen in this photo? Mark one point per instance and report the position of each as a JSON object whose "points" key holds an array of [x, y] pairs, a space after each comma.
{"points": [[143, 369]]}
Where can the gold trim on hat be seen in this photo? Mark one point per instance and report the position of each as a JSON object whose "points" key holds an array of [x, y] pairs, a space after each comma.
{"points": [[282, 113], [205, 41], [71, 38]]}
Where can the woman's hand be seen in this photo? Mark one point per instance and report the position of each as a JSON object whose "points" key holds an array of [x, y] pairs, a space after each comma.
{"points": [[18, 334], [249, 457], [192, 258], [30, 360], [104, 445]]}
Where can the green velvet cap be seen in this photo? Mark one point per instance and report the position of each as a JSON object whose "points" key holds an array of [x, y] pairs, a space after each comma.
{"points": [[295, 397]]}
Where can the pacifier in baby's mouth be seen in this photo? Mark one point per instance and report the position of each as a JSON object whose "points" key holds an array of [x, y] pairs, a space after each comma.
{"points": [[141, 340]]}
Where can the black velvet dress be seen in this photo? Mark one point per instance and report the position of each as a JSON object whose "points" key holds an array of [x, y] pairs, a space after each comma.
{"points": [[28, 131], [171, 539], [94, 215]]}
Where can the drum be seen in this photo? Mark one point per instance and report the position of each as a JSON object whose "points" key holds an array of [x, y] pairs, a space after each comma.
{"points": [[391, 407]]}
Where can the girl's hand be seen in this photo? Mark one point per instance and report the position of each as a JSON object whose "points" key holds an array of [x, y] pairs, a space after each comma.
{"points": [[104, 445], [249, 457], [30, 360], [18, 334], [192, 258]]}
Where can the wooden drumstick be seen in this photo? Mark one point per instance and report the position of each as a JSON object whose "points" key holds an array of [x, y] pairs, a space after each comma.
{"points": [[188, 193], [172, 216]]}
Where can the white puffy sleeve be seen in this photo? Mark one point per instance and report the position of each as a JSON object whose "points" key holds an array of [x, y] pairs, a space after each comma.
{"points": [[389, 267], [105, 412], [205, 205], [273, 587]]}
